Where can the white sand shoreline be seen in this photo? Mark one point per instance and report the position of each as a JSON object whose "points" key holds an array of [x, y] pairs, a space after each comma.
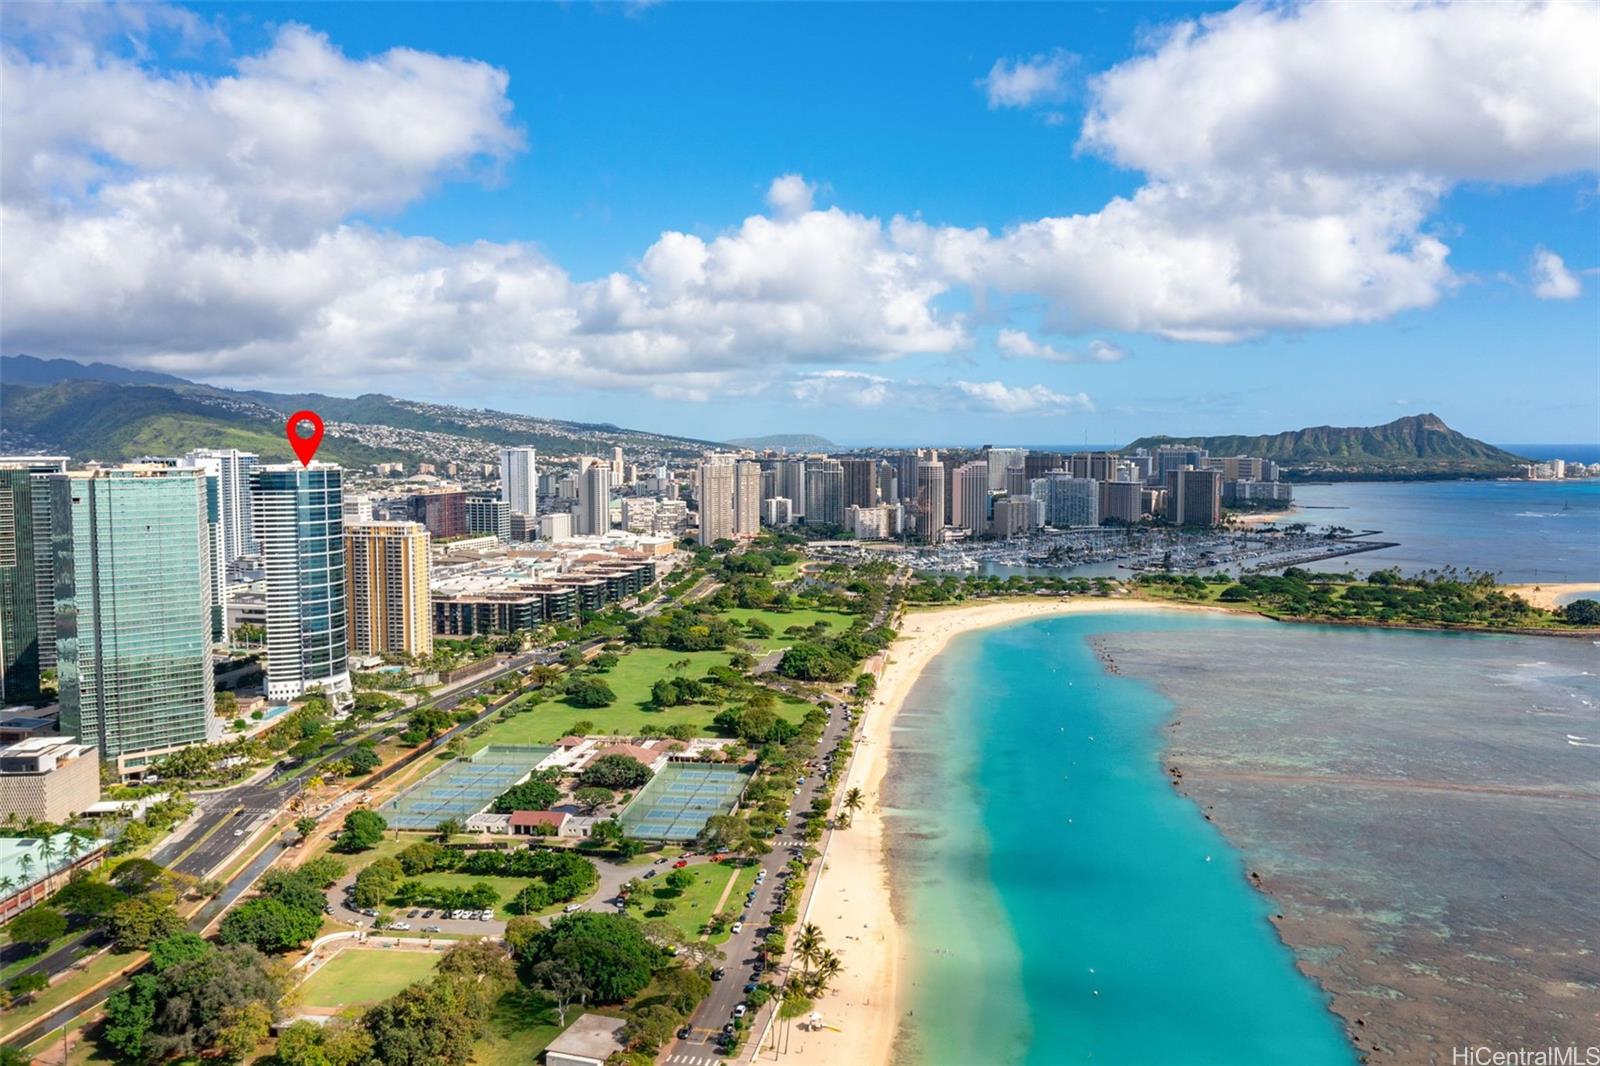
{"points": [[1547, 594], [851, 902]]}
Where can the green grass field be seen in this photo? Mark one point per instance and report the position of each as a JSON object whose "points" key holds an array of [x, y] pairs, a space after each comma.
{"points": [[836, 621], [695, 905], [362, 976], [521, 1024], [508, 887], [631, 679]]}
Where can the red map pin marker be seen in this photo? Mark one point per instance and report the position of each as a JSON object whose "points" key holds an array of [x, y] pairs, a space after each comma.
{"points": [[304, 447]]}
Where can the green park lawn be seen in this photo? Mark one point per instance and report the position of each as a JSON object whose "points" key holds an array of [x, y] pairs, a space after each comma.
{"points": [[507, 887], [631, 679], [362, 976], [836, 621], [696, 903], [354, 862], [521, 1024]]}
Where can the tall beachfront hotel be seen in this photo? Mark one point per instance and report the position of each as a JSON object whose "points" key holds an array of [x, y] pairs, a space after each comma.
{"points": [[299, 523], [132, 556]]}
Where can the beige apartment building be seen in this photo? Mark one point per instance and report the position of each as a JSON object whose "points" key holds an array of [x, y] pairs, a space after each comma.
{"points": [[48, 779], [386, 582]]}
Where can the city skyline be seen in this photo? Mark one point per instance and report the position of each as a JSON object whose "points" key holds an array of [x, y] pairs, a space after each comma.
{"points": [[994, 229]]}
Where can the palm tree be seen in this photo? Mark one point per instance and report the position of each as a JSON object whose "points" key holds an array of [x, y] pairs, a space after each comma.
{"points": [[854, 800], [808, 944], [75, 846], [828, 967], [7, 883], [47, 852], [25, 864]]}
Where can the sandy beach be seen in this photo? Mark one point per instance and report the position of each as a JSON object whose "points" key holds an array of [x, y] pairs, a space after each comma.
{"points": [[1262, 518], [1547, 594], [861, 1013]]}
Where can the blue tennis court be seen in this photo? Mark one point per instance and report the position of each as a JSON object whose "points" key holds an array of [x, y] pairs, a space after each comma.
{"points": [[464, 787], [677, 802]]}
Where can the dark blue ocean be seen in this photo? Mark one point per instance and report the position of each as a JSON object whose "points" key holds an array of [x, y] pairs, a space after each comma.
{"points": [[1521, 531]]}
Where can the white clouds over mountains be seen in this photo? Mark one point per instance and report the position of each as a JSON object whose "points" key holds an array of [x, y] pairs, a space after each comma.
{"points": [[854, 388], [1292, 157]]}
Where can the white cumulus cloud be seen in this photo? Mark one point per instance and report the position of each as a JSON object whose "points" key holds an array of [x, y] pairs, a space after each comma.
{"points": [[853, 388], [230, 226], [1016, 344], [1458, 91], [1025, 82], [790, 195], [1551, 278]]}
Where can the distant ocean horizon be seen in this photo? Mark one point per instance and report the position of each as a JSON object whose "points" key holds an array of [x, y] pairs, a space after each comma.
{"points": [[1572, 453]]}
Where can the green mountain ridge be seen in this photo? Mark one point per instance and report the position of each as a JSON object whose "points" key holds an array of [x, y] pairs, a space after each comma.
{"points": [[94, 411], [1414, 446], [108, 421]]}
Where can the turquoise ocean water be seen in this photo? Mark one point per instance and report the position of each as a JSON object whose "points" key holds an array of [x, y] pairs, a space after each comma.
{"points": [[1064, 903]]}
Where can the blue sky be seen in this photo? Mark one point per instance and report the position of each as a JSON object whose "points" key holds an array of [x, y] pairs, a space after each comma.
{"points": [[597, 129]]}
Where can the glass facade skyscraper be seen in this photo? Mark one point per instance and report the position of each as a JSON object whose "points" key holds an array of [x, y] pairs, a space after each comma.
{"points": [[19, 618], [132, 555], [299, 523]]}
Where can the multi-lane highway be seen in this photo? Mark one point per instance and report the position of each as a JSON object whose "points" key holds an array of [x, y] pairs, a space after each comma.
{"points": [[228, 819]]}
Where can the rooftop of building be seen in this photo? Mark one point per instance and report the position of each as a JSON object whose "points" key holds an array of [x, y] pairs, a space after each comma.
{"points": [[592, 1036], [60, 748], [533, 818], [24, 860]]}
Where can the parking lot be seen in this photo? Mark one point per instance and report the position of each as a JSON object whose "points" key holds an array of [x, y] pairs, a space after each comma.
{"points": [[744, 965]]}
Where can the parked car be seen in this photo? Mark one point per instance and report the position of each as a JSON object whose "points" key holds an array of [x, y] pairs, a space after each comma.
{"points": [[569, 908], [431, 929], [680, 864], [648, 874], [737, 927], [719, 973], [739, 1011], [401, 925]]}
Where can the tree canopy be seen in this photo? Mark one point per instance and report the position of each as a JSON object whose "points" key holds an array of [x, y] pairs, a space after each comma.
{"points": [[608, 951], [614, 771], [363, 829], [534, 795]]}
